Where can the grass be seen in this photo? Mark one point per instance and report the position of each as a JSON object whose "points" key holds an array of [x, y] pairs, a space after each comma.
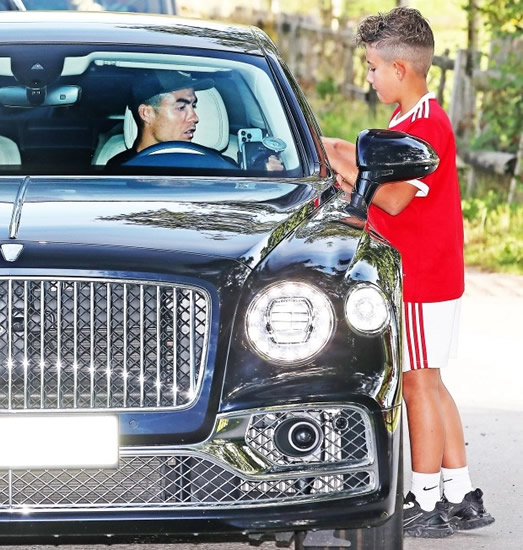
{"points": [[493, 229]]}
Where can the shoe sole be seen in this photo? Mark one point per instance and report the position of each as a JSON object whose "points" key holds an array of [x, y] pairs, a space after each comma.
{"points": [[428, 533], [469, 524]]}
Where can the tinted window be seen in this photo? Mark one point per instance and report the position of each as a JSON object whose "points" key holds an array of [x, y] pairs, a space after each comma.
{"points": [[90, 110], [142, 6]]}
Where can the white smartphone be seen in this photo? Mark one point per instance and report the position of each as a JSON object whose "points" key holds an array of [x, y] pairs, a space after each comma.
{"points": [[247, 135]]}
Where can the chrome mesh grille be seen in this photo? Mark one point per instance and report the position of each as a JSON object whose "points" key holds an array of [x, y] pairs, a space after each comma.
{"points": [[347, 436], [104, 344], [170, 480]]}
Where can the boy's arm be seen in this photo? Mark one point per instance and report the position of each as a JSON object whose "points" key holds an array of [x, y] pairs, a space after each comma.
{"points": [[392, 198], [342, 158]]}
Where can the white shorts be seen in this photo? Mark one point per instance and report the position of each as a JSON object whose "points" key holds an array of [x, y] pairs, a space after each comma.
{"points": [[430, 334]]}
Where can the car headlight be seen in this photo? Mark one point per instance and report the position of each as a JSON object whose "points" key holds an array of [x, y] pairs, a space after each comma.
{"points": [[289, 322], [366, 309]]}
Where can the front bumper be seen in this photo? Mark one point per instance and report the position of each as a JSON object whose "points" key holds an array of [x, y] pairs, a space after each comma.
{"points": [[238, 481]]}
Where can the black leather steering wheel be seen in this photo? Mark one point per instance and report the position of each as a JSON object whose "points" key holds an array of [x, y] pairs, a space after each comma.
{"points": [[181, 153]]}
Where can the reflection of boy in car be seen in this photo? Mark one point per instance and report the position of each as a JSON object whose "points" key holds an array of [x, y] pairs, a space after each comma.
{"points": [[164, 108]]}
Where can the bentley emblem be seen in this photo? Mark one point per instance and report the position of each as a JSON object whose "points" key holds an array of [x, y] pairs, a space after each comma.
{"points": [[11, 252]]}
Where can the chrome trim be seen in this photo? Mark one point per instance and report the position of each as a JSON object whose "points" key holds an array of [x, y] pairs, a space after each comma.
{"points": [[10, 344], [18, 204], [175, 347], [101, 343]]}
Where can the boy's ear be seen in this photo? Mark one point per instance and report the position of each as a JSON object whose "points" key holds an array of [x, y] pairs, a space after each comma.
{"points": [[400, 69]]}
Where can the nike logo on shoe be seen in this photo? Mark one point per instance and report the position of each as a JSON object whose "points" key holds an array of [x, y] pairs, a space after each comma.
{"points": [[430, 488], [408, 521]]}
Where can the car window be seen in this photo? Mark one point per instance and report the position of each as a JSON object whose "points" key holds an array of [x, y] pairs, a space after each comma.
{"points": [[77, 111], [141, 6], [6, 5]]}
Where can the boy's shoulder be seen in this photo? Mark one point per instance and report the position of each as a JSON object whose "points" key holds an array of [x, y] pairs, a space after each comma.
{"points": [[426, 116], [426, 111], [427, 120]]}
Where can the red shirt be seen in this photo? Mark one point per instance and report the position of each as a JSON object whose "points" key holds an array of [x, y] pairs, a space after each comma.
{"points": [[429, 231]]}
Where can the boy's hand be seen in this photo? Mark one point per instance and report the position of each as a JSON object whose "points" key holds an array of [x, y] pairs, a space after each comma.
{"points": [[346, 185], [342, 158]]}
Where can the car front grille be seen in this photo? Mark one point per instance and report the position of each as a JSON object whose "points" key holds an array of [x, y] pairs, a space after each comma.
{"points": [[100, 344], [167, 480]]}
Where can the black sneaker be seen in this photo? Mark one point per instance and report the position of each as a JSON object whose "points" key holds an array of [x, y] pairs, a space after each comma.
{"points": [[420, 523], [470, 513]]}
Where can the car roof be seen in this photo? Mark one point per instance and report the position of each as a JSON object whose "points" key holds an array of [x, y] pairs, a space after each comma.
{"points": [[31, 27]]}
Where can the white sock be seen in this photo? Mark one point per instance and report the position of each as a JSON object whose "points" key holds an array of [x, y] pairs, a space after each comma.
{"points": [[456, 483], [426, 489]]}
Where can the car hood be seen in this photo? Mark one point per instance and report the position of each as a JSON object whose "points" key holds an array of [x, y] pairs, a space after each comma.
{"points": [[238, 220]]}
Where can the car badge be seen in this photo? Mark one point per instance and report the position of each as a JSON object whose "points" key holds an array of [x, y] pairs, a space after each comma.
{"points": [[11, 252]]}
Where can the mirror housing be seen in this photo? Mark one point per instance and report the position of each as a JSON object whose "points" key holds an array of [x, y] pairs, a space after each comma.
{"points": [[384, 156], [48, 96]]}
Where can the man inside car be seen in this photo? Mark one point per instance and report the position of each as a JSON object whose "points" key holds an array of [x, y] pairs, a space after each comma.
{"points": [[164, 108]]}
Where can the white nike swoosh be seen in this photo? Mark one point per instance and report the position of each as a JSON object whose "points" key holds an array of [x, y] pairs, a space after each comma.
{"points": [[407, 522]]}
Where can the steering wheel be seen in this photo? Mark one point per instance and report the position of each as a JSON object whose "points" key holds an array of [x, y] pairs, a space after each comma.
{"points": [[182, 154]]}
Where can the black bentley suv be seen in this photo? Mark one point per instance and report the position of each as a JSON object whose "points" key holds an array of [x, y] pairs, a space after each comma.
{"points": [[204, 336]]}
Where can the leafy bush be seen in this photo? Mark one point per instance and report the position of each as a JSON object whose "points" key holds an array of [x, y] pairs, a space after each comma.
{"points": [[502, 105], [493, 233], [327, 88], [341, 117]]}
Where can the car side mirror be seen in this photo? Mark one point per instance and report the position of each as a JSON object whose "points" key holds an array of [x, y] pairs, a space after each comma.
{"points": [[384, 156]]}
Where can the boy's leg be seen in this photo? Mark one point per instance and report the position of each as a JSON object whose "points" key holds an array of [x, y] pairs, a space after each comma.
{"points": [[425, 419], [424, 513], [454, 455], [465, 506], [426, 433], [436, 432], [427, 342]]}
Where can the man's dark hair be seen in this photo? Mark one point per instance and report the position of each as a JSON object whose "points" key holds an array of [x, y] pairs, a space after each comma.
{"points": [[401, 33]]}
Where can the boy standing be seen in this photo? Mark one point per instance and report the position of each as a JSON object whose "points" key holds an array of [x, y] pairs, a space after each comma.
{"points": [[423, 220]]}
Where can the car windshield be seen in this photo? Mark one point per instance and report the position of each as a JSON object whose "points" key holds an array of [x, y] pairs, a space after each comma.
{"points": [[86, 110], [142, 6]]}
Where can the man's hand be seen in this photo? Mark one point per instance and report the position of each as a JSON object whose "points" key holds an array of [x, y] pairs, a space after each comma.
{"points": [[274, 164]]}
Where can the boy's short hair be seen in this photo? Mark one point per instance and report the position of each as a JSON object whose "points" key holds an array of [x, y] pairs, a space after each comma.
{"points": [[401, 33]]}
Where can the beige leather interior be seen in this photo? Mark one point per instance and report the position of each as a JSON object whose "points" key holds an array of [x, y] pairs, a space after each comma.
{"points": [[9, 152]]}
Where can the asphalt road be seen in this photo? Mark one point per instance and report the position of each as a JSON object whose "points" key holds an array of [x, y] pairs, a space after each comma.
{"points": [[487, 383]]}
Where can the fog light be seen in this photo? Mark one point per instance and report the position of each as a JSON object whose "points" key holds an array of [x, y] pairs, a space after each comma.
{"points": [[298, 437]]}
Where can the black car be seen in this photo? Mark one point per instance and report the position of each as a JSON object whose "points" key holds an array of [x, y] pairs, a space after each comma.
{"points": [[8, 5], [140, 6], [190, 343]]}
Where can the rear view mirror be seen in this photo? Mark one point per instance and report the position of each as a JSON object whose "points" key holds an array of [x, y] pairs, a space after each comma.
{"points": [[384, 156], [49, 96]]}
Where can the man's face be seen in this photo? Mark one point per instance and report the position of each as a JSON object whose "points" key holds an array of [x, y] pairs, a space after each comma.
{"points": [[175, 119]]}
